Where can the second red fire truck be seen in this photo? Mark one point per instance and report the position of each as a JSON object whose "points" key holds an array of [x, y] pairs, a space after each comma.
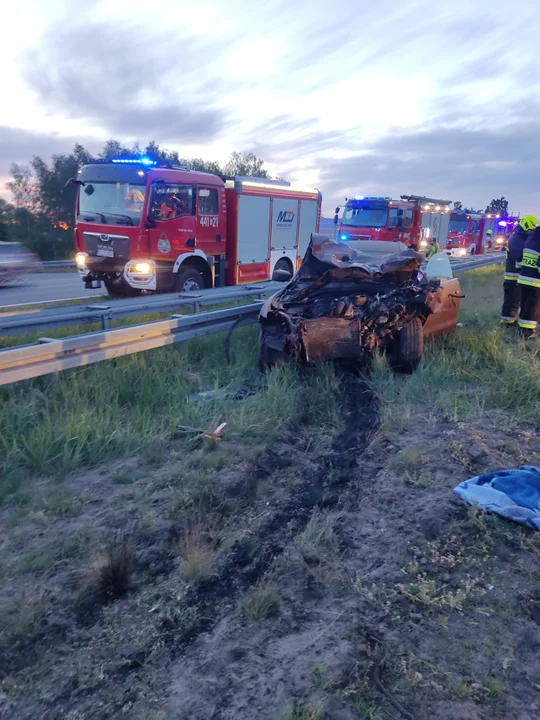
{"points": [[141, 225], [413, 220]]}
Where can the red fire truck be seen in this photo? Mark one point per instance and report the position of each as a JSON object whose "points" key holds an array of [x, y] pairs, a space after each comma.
{"points": [[476, 233], [413, 220], [141, 225]]}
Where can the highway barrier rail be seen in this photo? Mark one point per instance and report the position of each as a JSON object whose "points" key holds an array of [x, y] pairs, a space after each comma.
{"points": [[105, 311], [49, 356]]}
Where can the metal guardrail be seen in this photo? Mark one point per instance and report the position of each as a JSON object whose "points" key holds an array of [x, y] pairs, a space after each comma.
{"points": [[59, 263], [51, 355], [104, 312]]}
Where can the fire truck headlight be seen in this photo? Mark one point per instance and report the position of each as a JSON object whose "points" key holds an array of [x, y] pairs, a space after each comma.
{"points": [[462, 251], [499, 241], [423, 243], [80, 259], [143, 268]]}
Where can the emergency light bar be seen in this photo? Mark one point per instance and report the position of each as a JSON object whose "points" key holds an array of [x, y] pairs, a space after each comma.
{"points": [[135, 161], [367, 197]]}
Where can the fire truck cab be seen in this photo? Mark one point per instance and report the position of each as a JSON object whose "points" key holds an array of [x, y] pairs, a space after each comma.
{"points": [[413, 220], [477, 233], [145, 226]]}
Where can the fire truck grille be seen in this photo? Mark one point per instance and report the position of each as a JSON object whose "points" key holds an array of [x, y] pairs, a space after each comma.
{"points": [[112, 246]]}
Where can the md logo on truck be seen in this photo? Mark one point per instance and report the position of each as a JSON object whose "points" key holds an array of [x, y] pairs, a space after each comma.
{"points": [[285, 218]]}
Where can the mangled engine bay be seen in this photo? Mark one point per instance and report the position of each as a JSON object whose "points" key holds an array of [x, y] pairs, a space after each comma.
{"points": [[348, 300]]}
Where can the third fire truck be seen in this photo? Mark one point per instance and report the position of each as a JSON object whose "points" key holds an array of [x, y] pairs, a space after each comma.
{"points": [[141, 225], [413, 220], [477, 233]]}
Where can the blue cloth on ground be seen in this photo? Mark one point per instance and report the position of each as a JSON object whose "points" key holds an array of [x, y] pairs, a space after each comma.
{"points": [[514, 494]]}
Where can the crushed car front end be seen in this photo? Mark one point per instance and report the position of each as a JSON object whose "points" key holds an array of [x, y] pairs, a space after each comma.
{"points": [[347, 301]]}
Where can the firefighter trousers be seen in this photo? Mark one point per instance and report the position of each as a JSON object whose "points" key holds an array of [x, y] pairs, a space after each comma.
{"points": [[511, 302], [529, 317]]}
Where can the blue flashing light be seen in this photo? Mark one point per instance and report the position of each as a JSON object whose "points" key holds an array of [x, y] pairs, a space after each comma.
{"points": [[343, 236], [358, 197], [134, 161]]}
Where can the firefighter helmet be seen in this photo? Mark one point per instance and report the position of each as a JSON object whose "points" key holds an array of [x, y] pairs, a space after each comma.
{"points": [[528, 222], [489, 232]]}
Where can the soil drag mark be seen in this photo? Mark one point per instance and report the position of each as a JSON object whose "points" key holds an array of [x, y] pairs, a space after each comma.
{"points": [[251, 557]]}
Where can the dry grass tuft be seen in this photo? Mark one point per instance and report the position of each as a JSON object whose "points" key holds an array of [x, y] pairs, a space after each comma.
{"points": [[259, 604]]}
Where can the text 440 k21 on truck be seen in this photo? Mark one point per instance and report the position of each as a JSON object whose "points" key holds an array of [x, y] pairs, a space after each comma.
{"points": [[144, 226]]}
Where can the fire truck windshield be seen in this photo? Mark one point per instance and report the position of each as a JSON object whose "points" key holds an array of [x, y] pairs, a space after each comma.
{"points": [[365, 216], [111, 202], [458, 226]]}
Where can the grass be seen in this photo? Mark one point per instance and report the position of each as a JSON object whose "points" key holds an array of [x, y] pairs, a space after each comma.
{"points": [[303, 712], [259, 604], [198, 555], [478, 370], [367, 710], [109, 576], [133, 405]]}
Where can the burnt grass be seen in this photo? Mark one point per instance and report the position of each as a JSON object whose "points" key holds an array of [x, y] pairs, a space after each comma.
{"points": [[386, 596]]}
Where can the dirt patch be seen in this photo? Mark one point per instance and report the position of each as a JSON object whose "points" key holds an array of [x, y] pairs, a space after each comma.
{"points": [[323, 576]]}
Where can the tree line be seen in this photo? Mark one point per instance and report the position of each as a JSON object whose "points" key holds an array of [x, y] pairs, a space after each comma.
{"points": [[42, 213], [498, 206]]}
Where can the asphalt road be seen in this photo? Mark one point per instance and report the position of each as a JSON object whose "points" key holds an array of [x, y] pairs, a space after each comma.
{"points": [[46, 287]]}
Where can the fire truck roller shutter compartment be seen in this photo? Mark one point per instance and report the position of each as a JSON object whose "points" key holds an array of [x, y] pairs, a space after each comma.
{"points": [[253, 229], [284, 231], [308, 224]]}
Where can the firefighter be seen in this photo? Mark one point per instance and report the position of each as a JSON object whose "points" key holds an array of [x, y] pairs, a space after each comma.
{"points": [[529, 283], [514, 252], [489, 238], [433, 249]]}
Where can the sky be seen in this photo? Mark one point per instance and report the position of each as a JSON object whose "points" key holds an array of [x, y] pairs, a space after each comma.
{"points": [[352, 97]]}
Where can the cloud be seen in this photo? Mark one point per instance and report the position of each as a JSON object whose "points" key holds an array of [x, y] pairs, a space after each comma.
{"points": [[127, 81], [20, 146], [471, 165]]}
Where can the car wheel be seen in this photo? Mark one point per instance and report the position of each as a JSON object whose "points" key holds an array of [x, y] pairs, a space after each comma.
{"points": [[188, 280], [408, 348], [268, 357]]}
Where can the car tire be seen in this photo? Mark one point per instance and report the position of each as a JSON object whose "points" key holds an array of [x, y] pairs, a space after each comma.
{"points": [[268, 357], [188, 280], [282, 264], [408, 348]]}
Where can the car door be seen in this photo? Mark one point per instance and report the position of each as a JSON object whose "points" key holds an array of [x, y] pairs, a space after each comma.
{"points": [[444, 316]]}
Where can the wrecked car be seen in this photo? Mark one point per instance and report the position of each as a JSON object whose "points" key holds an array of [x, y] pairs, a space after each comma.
{"points": [[352, 299]]}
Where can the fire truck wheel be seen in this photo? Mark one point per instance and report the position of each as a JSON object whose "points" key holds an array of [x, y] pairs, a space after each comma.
{"points": [[472, 250], [120, 288], [283, 264], [188, 280], [408, 348]]}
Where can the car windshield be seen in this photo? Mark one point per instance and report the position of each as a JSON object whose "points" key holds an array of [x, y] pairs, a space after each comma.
{"points": [[365, 217], [111, 202], [458, 226]]}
